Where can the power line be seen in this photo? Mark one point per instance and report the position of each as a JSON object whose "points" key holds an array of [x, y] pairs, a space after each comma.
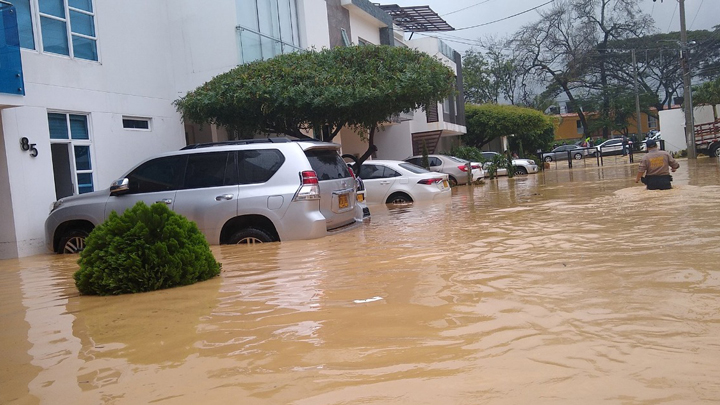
{"points": [[673, 16], [505, 18], [696, 14], [465, 8]]}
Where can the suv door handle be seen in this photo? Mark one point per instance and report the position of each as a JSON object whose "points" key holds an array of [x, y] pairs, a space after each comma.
{"points": [[224, 197], [166, 201]]}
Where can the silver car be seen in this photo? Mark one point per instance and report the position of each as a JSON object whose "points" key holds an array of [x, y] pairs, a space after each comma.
{"points": [[561, 153], [454, 167], [247, 191]]}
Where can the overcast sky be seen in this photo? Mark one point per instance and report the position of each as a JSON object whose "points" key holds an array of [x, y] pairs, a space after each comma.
{"points": [[699, 14]]}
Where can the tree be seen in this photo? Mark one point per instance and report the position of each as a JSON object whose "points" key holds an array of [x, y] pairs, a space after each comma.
{"points": [[708, 93], [320, 91], [568, 47], [493, 75], [489, 121]]}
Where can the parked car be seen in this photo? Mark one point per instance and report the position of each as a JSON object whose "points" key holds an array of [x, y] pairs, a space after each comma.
{"points": [[360, 193], [247, 191], [522, 166], [561, 153], [612, 147], [454, 167], [654, 135], [397, 182]]}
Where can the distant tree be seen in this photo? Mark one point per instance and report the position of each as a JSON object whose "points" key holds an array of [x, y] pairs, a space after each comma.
{"points": [[568, 47], [489, 121], [359, 87], [425, 161], [493, 75], [708, 93]]}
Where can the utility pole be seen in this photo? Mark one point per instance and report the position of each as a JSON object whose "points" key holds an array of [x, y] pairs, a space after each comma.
{"points": [[637, 98], [687, 85], [687, 89]]}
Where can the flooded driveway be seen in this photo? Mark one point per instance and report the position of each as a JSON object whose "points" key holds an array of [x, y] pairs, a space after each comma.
{"points": [[570, 286]]}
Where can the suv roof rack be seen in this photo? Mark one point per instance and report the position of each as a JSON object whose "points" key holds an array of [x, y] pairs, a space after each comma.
{"points": [[236, 142]]}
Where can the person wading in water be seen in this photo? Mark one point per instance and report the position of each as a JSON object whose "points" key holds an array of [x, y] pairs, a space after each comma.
{"points": [[656, 166]]}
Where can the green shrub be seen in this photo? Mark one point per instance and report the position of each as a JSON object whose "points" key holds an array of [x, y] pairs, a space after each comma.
{"points": [[145, 249], [470, 153]]}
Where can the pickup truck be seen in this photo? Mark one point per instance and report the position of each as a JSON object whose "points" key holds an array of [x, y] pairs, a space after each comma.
{"points": [[707, 138]]}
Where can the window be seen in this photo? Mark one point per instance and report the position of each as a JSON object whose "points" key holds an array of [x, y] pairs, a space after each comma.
{"points": [[328, 165], [67, 27], [161, 174], [258, 166], [71, 154], [580, 129], [345, 37], [652, 122], [210, 170], [370, 171], [267, 28], [363, 42], [136, 123]]}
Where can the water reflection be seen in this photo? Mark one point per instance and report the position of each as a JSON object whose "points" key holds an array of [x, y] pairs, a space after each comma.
{"points": [[569, 286]]}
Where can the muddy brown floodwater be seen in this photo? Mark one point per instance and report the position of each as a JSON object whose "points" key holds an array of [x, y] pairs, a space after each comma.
{"points": [[565, 287]]}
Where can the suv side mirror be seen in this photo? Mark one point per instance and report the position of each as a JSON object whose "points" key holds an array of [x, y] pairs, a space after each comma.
{"points": [[120, 186]]}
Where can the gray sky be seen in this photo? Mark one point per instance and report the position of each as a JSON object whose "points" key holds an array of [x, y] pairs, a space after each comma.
{"points": [[699, 14]]}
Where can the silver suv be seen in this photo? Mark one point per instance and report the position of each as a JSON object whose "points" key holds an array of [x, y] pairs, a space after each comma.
{"points": [[246, 191]]}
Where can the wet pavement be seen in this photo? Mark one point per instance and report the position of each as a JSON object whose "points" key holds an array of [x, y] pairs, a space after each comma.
{"points": [[566, 287]]}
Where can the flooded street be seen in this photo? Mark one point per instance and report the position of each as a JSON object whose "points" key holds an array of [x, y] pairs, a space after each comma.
{"points": [[566, 287]]}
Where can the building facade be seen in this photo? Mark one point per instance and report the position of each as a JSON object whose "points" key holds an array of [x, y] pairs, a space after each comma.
{"points": [[87, 87]]}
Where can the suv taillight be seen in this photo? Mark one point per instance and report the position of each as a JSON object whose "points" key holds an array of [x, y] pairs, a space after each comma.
{"points": [[309, 187]]}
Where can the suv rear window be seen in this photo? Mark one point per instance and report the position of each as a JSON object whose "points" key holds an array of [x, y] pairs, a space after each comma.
{"points": [[328, 165]]}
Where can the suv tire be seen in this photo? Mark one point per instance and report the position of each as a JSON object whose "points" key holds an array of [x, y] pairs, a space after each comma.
{"points": [[73, 241], [250, 236]]}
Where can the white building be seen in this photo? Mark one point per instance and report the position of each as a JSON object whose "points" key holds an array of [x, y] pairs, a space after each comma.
{"points": [[672, 125], [89, 91]]}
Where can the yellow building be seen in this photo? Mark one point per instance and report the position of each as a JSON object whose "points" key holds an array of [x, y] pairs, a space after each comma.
{"points": [[570, 129]]}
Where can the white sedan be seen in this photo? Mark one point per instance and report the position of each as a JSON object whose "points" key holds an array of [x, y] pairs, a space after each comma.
{"points": [[398, 182]]}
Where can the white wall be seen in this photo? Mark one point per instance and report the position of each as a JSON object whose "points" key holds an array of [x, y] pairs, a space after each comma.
{"points": [[365, 27], [394, 141], [313, 24]]}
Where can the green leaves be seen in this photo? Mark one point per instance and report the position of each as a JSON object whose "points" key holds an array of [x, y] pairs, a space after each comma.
{"points": [[359, 86], [145, 249], [489, 121]]}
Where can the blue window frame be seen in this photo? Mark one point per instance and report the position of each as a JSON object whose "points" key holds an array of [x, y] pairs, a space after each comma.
{"points": [[67, 27]]}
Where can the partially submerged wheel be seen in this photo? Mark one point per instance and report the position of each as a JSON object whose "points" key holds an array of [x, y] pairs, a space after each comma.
{"points": [[452, 181], [520, 170], [72, 242], [715, 151], [577, 156], [548, 159], [250, 236], [399, 199]]}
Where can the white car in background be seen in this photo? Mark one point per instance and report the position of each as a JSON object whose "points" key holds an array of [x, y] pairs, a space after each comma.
{"points": [[398, 182], [522, 166], [454, 167]]}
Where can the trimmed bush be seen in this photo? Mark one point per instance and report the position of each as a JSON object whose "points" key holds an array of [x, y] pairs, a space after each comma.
{"points": [[145, 249]]}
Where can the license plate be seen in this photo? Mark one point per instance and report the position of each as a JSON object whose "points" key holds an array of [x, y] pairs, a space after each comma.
{"points": [[445, 184], [343, 200]]}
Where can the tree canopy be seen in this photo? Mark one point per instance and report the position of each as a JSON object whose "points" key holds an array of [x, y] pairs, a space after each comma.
{"points": [[489, 121], [359, 87]]}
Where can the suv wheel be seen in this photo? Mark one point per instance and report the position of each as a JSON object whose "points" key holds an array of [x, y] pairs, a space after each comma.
{"points": [[250, 236], [73, 241], [521, 170]]}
